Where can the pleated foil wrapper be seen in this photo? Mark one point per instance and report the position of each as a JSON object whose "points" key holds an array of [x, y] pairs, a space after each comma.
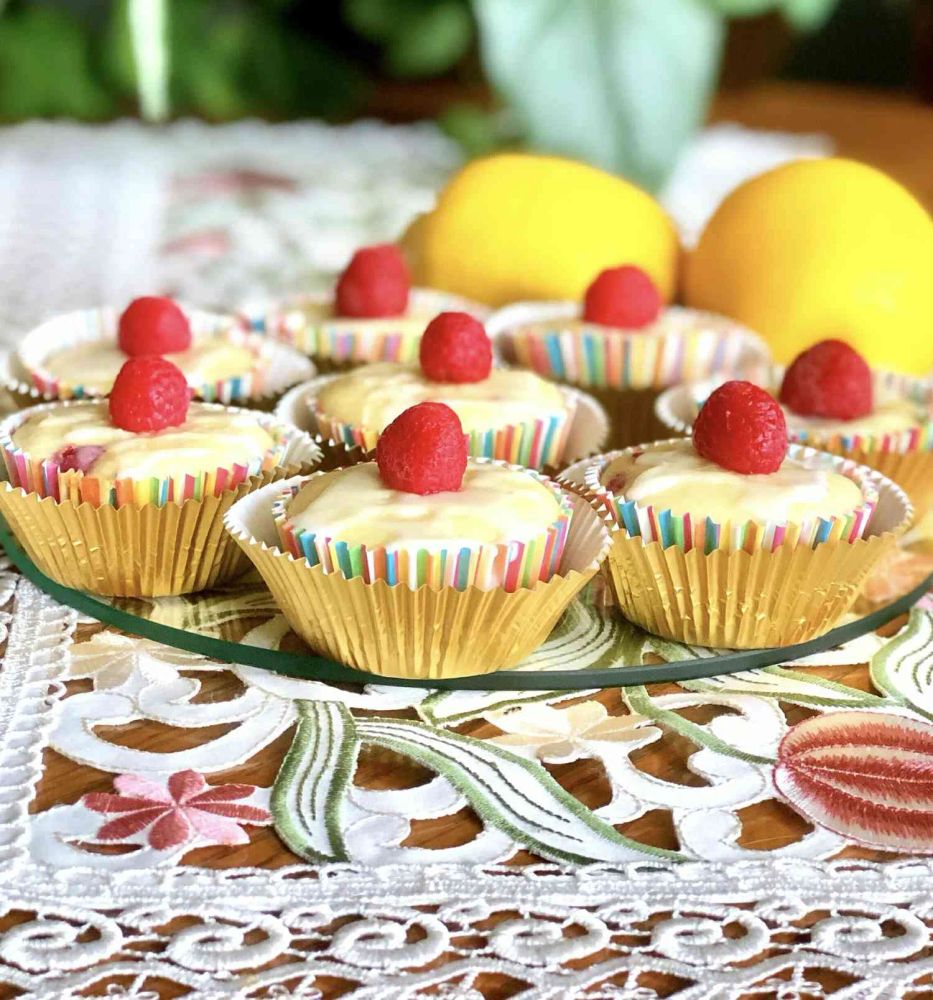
{"points": [[750, 586], [426, 633], [135, 539]]}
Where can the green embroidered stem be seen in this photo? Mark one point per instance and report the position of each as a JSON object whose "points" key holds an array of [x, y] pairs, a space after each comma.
{"points": [[903, 668], [312, 782], [641, 702]]}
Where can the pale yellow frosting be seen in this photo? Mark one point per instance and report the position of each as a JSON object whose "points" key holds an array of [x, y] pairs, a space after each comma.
{"points": [[674, 477], [97, 364], [494, 505], [211, 438], [374, 395], [888, 417]]}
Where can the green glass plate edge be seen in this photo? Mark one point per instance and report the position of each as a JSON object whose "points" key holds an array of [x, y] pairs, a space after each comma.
{"points": [[318, 668]]}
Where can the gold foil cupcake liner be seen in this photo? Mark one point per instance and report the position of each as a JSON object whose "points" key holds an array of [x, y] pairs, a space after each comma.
{"points": [[583, 434], [276, 367], [735, 599], [143, 550], [906, 457], [338, 344], [423, 634]]}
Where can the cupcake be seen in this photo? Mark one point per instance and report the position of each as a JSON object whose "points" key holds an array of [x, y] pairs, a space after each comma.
{"points": [[623, 346], [508, 414], [736, 539], [78, 355], [126, 497], [833, 401], [373, 314], [423, 564]]}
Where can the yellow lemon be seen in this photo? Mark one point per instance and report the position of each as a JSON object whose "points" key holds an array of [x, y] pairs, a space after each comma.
{"points": [[517, 226], [822, 248]]}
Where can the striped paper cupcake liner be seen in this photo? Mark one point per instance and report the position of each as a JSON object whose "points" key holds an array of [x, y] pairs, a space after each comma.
{"points": [[275, 367], [677, 409], [534, 444], [688, 532], [551, 339], [485, 566], [45, 477], [304, 323]]}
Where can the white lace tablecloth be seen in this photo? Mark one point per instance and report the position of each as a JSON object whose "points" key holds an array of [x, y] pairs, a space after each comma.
{"points": [[153, 906]]}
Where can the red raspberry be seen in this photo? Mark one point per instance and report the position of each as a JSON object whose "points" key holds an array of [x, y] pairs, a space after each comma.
{"points": [[375, 283], [149, 394], [741, 428], [77, 458], [153, 325], [423, 450], [830, 379], [624, 297], [455, 348]]}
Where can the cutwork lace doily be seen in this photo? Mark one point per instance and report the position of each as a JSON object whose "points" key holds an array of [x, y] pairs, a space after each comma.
{"points": [[175, 826]]}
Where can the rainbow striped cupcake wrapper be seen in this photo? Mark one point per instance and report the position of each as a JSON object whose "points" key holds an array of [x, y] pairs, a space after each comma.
{"points": [[688, 532], [677, 409], [684, 344], [534, 444], [298, 322], [47, 479], [508, 566], [274, 370]]}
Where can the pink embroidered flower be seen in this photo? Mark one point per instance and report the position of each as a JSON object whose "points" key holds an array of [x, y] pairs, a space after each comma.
{"points": [[176, 813], [866, 775]]}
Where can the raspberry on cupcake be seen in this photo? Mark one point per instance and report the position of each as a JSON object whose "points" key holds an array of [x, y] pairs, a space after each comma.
{"points": [[78, 355], [372, 314], [623, 345], [735, 538], [452, 565], [509, 414], [124, 497], [834, 402]]}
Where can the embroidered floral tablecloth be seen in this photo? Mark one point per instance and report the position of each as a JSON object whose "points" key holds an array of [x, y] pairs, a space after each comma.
{"points": [[174, 826]]}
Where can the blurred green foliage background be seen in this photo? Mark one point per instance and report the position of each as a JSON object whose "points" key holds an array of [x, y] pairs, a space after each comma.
{"points": [[621, 83]]}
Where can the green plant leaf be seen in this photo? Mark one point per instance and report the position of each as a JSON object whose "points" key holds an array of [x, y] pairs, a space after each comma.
{"points": [[511, 793], [45, 67], [431, 40], [313, 780], [620, 83], [903, 667]]}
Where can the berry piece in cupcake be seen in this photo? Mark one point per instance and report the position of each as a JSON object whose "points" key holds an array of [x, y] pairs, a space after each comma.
{"points": [[624, 297], [375, 283], [423, 450], [455, 348]]}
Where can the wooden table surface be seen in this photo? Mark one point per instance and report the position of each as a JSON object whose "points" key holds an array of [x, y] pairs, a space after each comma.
{"points": [[892, 133]]}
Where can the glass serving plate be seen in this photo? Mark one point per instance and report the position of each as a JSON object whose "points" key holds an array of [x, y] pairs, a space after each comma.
{"points": [[591, 647]]}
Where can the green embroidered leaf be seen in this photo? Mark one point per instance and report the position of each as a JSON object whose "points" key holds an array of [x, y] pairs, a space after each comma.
{"points": [[511, 793], [787, 685], [619, 83], [313, 780], [903, 667], [641, 702]]}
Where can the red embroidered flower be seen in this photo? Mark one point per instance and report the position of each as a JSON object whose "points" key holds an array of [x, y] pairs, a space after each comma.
{"points": [[175, 814], [866, 775]]}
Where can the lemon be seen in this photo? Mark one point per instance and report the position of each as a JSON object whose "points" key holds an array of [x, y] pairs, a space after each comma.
{"points": [[822, 248], [519, 226]]}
